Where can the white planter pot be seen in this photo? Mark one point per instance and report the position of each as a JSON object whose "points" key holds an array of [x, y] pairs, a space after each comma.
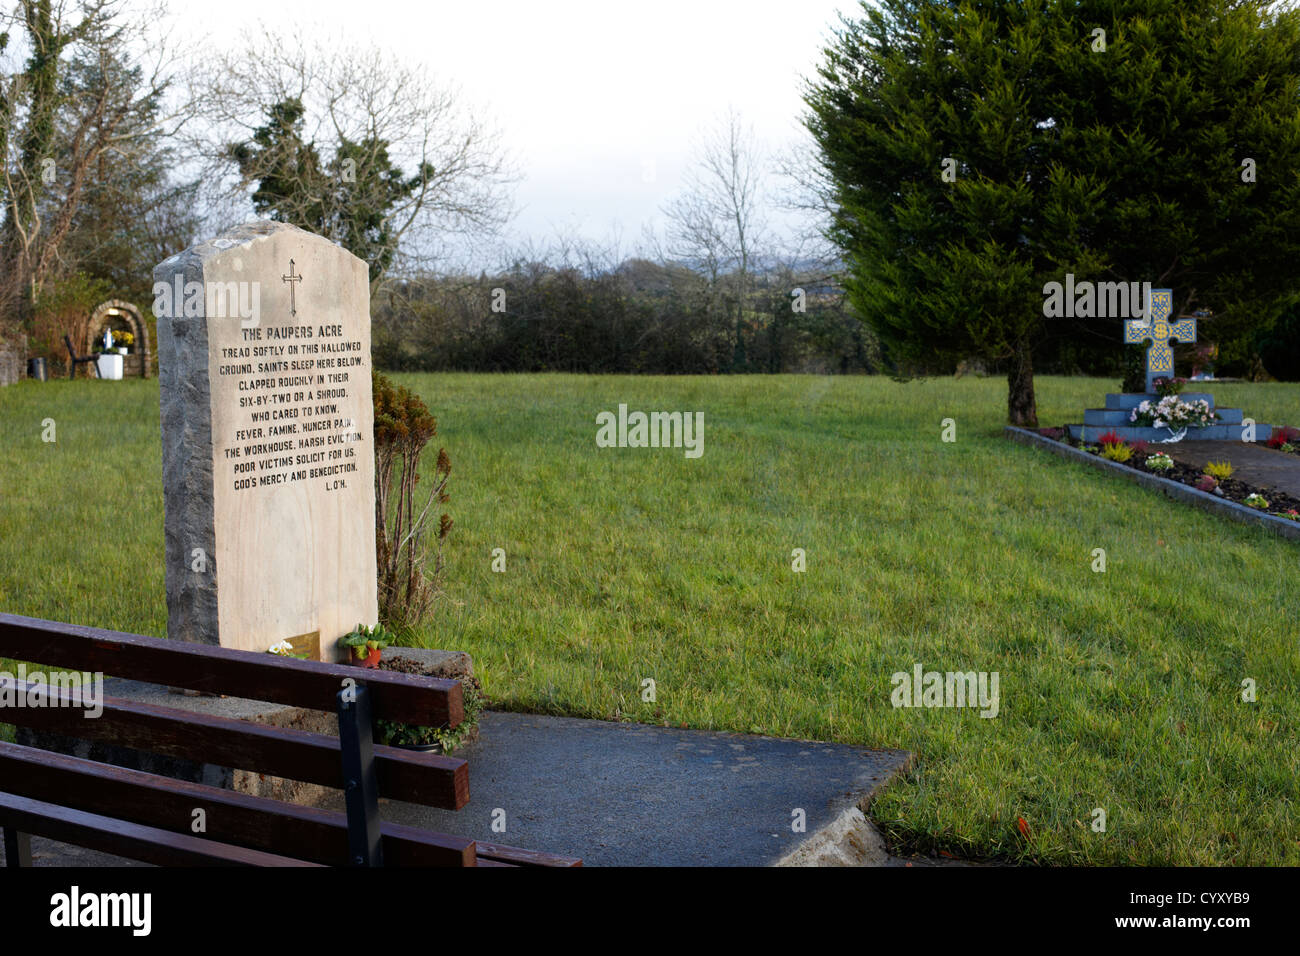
{"points": [[110, 366]]}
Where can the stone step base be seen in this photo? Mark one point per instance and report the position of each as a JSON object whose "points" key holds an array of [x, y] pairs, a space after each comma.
{"points": [[1091, 433], [1116, 416]]}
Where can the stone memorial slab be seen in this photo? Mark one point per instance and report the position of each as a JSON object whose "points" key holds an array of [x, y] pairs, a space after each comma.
{"points": [[267, 433]]}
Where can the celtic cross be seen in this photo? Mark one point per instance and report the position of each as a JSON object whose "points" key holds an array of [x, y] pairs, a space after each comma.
{"points": [[1156, 328]]}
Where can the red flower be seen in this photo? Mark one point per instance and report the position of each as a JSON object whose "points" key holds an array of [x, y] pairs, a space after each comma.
{"points": [[1023, 827], [1110, 438], [1283, 436]]}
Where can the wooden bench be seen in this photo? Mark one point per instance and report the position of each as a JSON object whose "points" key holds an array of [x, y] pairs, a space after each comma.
{"points": [[74, 359], [148, 817]]}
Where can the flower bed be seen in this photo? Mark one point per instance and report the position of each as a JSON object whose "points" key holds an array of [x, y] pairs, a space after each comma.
{"points": [[1151, 459]]}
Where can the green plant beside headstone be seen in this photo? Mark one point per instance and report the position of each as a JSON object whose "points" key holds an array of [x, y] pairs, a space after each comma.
{"points": [[403, 426], [364, 641], [447, 739]]}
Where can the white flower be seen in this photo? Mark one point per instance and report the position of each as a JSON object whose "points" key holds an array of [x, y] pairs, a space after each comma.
{"points": [[284, 647]]}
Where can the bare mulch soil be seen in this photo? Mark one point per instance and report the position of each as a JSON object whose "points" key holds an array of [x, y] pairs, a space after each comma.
{"points": [[1232, 489]]}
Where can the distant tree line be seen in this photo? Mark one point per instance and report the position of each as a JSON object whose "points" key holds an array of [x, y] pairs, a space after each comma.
{"points": [[638, 316], [117, 151]]}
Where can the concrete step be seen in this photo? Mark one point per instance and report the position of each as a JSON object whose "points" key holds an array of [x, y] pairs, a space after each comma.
{"points": [[1090, 433]]}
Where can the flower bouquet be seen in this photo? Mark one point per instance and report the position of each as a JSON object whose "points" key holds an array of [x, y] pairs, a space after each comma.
{"points": [[1172, 413]]}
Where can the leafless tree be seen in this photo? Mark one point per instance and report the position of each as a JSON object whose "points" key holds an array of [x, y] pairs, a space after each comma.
{"points": [[78, 81], [364, 97], [805, 189], [717, 223]]}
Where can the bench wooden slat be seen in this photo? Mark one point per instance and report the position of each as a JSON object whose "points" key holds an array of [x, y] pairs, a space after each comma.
{"points": [[423, 701], [516, 856], [429, 779], [259, 823], [123, 838], [113, 809]]}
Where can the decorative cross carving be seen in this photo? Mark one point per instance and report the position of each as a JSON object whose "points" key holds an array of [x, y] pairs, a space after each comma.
{"points": [[291, 279], [1157, 328]]}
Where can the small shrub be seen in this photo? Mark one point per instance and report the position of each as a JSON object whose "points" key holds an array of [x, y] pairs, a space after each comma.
{"points": [[373, 638], [396, 734], [1283, 436], [1055, 434], [1116, 452], [1256, 501], [1160, 462], [1168, 386], [403, 426], [363, 641], [1219, 469], [62, 309], [1139, 447], [1207, 483], [1110, 438], [1135, 369]]}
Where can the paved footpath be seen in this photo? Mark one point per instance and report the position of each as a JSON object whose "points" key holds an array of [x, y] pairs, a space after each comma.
{"points": [[623, 794], [627, 794], [1254, 464]]}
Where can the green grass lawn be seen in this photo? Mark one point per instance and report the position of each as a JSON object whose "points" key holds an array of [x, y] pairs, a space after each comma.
{"points": [[1118, 690]]}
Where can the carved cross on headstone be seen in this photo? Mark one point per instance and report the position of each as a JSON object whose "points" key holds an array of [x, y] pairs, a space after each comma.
{"points": [[291, 279], [1157, 328]]}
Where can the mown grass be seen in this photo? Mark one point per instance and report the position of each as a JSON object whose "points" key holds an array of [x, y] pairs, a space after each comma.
{"points": [[1119, 691]]}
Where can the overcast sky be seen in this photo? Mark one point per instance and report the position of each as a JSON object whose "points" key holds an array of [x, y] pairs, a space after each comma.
{"points": [[598, 102]]}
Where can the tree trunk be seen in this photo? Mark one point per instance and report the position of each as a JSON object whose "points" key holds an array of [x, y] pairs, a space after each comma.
{"points": [[1022, 409]]}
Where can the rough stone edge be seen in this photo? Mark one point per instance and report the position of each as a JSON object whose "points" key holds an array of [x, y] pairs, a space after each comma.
{"points": [[848, 840], [186, 427], [1172, 489], [434, 662], [851, 839]]}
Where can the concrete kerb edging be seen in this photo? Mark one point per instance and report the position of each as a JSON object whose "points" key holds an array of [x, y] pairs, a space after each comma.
{"points": [[1173, 489]]}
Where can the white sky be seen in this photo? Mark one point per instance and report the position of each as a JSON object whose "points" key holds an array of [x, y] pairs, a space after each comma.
{"points": [[592, 98]]}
